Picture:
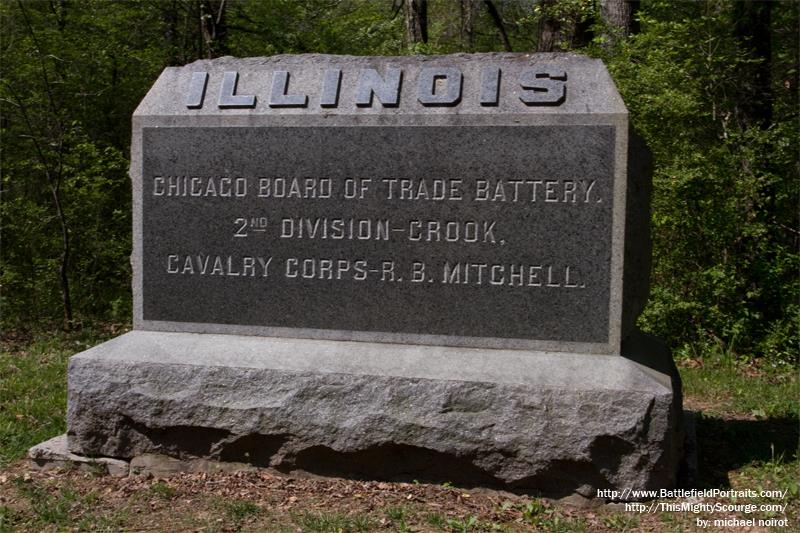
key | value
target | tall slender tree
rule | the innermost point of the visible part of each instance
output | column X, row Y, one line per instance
column 467, row 24
column 416, row 17
column 213, row 27
column 752, row 29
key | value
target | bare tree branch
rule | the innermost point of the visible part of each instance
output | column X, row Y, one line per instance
column 499, row 23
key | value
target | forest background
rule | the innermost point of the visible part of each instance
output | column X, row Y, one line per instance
column 711, row 85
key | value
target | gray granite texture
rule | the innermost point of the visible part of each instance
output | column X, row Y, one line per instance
column 638, row 244
column 467, row 289
column 53, row 454
column 566, row 271
column 551, row 423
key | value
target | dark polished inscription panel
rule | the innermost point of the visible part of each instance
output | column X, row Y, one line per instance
column 472, row 231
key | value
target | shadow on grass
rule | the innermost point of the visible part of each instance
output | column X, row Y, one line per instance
column 724, row 445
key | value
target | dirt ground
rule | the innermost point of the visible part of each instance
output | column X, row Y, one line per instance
column 72, row 500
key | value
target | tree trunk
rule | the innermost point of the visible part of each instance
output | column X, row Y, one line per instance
column 549, row 29
column 170, row 16
column 63, row 271
column 618, row 18
column 60, row 12
column 583, row 34
column 416, row 15
column 213, row 27
column 753, row 20
column 468, row 25
column 498, row 21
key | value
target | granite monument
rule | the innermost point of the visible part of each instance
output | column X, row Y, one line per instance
column 419, row 267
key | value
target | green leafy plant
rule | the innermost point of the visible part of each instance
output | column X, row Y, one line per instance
column 465, row 525
column 324, row 522
column 161, row 490
column 239, row 510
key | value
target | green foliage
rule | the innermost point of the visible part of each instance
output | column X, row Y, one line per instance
column 725, row 191
column 98, row 212
column 399, row 515
column 436, row 520
column 726, row 186
column 70, row 80
column 463, row 525
column 532, row 511
column 354, row 27
column 569, row 17
column 6, row 519
column 776, row 473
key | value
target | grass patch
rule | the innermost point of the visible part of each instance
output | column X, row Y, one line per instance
column 775, row 474
column 725, row 389
column 161, row 490
column 746, row 423
column 49, row 508
column 399, row 515
column 7, row 519
column 544, row 517
column 621, row 522
column 115, row 521
column 33, row 386
column 238, row 511
column 60, row 506
column 324, row 522
column 463, row 525
column 436, row 520
column 473, row 524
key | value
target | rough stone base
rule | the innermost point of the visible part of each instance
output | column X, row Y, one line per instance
column 548, row 423
column 53, row 454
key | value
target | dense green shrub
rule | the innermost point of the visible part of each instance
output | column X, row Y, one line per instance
column 726, row 190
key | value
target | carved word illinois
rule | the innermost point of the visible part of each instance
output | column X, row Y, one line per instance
column 436, row 87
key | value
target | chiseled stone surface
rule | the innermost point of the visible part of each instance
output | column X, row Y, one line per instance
column 54, row 453
column 241, row 354
column 565, row 247
column 557, row 260
column 531, row 421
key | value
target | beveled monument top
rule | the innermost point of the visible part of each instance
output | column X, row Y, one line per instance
column 312, row 84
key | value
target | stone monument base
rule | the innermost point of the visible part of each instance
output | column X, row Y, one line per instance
column 547, row 423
